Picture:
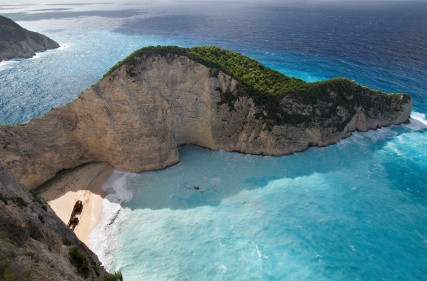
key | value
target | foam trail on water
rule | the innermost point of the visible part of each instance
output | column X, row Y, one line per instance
column 102, row 237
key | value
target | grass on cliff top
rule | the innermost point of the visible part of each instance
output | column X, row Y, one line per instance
column 249, row 72
column 244, row 69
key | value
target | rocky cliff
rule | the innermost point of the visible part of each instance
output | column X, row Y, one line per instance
column 158, row 99
column 17, row 42
column 35, row 244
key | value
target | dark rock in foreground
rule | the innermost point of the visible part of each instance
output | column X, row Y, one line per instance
column 35, row 244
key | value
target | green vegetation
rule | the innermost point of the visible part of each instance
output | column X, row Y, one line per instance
column 79, row 261
column 273, row 92
column 34, row 232
column 5, row 273
column 114, row 277
column 11, row 232
column 4, row 237
column 18, row 201
column 9, row 274
column 96, row 270
column 251, row 73
column 66, row 242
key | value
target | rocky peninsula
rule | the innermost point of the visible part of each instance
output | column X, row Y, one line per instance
column 158, row 98
column 17, row 42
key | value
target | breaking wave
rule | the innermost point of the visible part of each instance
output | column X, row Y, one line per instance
column 102, row 237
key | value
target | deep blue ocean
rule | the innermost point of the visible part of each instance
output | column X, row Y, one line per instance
column 356, row 210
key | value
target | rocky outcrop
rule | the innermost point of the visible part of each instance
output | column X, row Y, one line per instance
column 35, row 244
column 17, row 42
column 137, row 116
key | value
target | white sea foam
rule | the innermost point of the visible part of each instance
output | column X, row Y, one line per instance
column 258, row 251
column 50, row 51
column 418, row 122
column 260, row 255
column 102, row 238
column 7, row 64
column 116, row 187
column 11, row 63
column 371, row 136
column 380, row 134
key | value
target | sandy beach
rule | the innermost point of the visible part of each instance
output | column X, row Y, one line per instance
column 83, row 183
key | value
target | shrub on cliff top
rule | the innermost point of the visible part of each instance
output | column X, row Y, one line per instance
column 244, row 69
column 249, row 72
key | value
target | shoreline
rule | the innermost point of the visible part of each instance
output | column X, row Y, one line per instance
column 85, row 183
column 82, row 183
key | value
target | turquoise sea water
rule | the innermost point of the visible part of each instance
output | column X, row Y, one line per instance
column 351, row 211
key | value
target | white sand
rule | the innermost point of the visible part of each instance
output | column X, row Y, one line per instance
column 83, row 183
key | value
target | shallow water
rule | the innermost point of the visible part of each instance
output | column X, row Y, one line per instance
column 352, row 211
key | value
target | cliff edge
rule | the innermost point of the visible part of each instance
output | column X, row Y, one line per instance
column 35, row 244
column 17, row 42
column 162, row 97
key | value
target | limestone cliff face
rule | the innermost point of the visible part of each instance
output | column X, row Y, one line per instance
column 17, row 42
column 135, row 120
column 35, row 243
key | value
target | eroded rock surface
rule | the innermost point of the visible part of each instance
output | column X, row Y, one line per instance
column 135, row 120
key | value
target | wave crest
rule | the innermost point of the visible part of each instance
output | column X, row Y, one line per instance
column 102, row 239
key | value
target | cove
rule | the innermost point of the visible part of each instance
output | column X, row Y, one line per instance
column 352, row 210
